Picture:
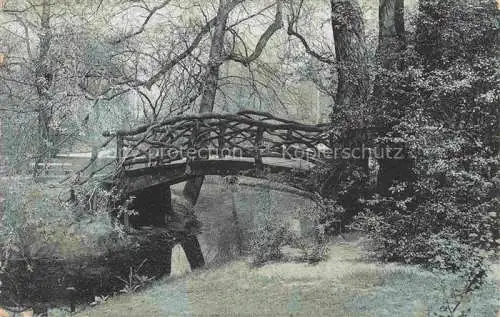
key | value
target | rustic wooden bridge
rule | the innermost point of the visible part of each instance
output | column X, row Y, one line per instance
column 152, row 157
column 247, row 143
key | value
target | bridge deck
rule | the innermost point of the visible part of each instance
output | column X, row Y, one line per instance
column 139, row 178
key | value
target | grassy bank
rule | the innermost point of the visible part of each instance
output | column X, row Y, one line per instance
column 344, row 285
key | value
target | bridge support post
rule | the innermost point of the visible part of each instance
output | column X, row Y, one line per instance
column 151, row 205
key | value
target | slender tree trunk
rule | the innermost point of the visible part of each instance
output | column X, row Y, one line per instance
column 215, row 60
column 350, row 50
column 192, row 188
column 392, row 42
column 43, row 79
column 391, row 33
column 42, row 75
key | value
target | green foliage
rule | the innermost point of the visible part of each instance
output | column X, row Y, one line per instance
column 326, row 217
column 443, row 106
column 38, row 223
column 134, row 281
column 450, row 68
column 326, row 214
column 273, row 232
column 449, row 30
column 453, row 195
column 92, row 199
column 268, row 238
column 468, row 270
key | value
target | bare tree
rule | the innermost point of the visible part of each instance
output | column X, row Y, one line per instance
column 56, row 72
column 210, row 56
column 36, row 78
column 217, row 56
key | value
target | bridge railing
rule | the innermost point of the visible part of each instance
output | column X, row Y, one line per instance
column 247, row 134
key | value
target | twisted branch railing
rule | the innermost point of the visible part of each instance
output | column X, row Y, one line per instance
column 247, row 134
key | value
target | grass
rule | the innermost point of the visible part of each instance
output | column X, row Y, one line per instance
column 344, row 285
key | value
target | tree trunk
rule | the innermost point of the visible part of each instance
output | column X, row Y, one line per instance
column 193, row 251
column 352, row 64
column 215, row 60
column 43, row 81
column 350, row 50
column 192, row 188
column 391, row 32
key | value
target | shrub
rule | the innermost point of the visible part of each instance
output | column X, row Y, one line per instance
column 453, row 194
column 268, row 238
column 461, row 271
column 443, row 106
column 37, row 223
column 274, row 232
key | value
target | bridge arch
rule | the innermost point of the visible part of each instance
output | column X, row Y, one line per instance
column 267, row 145
column 137, row 179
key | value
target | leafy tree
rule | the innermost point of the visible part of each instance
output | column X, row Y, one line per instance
column 444, row 108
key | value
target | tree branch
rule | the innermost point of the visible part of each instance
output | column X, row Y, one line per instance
column 291, row 30
column 261, row 44
column 143, row 26
column 167, row 67
column 194, row 44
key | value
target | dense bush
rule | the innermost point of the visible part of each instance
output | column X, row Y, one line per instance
column 454, row 194
column 38, row 222
column 268, row 238
column 444, row 108
column 465, row 272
